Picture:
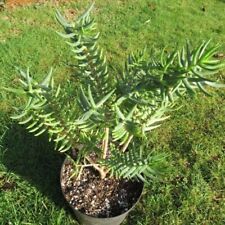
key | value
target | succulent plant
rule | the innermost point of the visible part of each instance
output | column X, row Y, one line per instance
column 112, row 116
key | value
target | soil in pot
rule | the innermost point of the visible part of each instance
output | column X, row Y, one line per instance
column 97, row 197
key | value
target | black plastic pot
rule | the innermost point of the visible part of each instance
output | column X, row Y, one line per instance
column 90, row 220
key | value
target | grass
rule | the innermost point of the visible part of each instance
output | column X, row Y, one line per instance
column 194, row 192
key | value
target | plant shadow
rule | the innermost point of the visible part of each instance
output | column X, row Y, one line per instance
column 182, row 148
column 35, row 160
column 133, row 217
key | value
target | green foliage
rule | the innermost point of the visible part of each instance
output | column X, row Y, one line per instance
column 93, row 115
column 90, row 66
column 137, row 163
column 129, row 107
column 40, row 112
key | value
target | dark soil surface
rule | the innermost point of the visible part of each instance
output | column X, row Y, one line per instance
column 96, row 197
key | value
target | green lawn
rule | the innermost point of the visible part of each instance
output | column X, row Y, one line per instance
column 194, row 192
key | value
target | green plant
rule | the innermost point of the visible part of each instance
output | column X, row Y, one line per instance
column 108, row 119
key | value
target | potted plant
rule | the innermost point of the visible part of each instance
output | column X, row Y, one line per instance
column 103, row 126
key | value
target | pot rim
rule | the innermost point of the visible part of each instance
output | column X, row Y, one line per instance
column 102, row 218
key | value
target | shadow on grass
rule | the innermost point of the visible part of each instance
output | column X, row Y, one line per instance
column 34, row 159
column 134, row 217
column 182, row 147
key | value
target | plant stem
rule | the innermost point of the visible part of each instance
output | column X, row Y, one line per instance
column 89, row 165
column 106, row 143
column 80, row 172
column 101, row 170
column 127, row 143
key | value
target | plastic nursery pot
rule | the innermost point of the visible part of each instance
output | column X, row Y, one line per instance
column 90, row 220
